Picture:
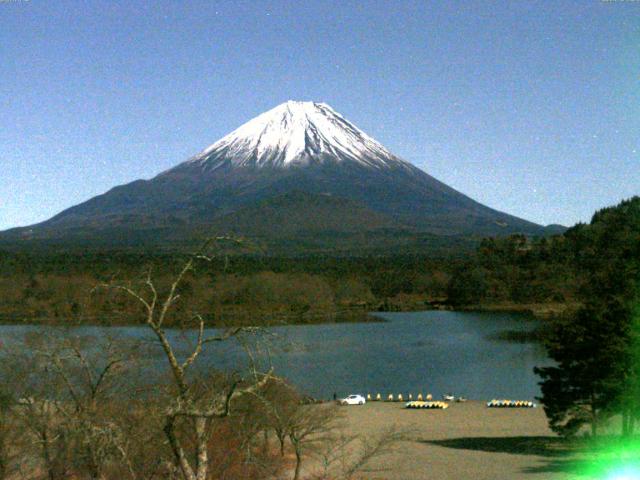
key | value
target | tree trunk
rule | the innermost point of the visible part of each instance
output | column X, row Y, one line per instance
column 180, row 458
column 3, row 466
column 265, row 442
column 92, row 466
column 4, row 455
column 203, row 454
column 628, row 422
column 594, row 417
column 51, row 473
column 625, row 422
column 296, row 474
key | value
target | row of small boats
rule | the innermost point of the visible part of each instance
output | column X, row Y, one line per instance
column 400, row 398
column 492, row 404
column 428, row 402
column 510, row 404
column 431, row 405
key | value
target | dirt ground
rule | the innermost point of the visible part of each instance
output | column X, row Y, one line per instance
column 465, row 441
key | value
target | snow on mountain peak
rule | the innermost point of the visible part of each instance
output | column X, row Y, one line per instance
column 297, row 133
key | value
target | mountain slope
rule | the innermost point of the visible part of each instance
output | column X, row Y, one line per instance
column 299, row 147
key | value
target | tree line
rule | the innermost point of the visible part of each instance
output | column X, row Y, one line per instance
column 514, row 272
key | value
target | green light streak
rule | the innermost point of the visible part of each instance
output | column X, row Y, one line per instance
column 617, row 459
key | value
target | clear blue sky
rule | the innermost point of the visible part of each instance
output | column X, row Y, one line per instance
column 530, row 107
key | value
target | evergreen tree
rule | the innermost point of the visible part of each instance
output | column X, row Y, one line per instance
column 597, row 350
column 589, row 349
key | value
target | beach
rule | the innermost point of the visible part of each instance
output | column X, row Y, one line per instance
column 465, row 441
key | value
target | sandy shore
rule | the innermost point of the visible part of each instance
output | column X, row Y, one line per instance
column 466, row 441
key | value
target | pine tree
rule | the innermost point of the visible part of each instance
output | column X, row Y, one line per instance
column 597, row 350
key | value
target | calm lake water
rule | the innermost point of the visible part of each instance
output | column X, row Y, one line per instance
column 435, row 351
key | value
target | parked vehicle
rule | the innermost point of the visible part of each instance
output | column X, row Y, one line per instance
column 353, row 400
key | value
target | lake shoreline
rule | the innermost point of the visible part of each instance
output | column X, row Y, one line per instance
column 540, row 311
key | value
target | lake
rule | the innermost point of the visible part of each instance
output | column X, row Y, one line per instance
column 435, row 351
column 418, row 352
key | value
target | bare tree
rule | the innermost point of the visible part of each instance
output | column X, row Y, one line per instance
column 68, row 386
column 44, row 434
column 189, row 410
column 281, row 404
column 240, row 449
column 315, row 431
column 7, row 434
column 310, row 427
column 344, row 456
column 48, row 436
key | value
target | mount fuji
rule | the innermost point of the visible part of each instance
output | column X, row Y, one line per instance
column 297, row 176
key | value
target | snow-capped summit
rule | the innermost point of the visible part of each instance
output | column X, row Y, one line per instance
column 297, row 133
